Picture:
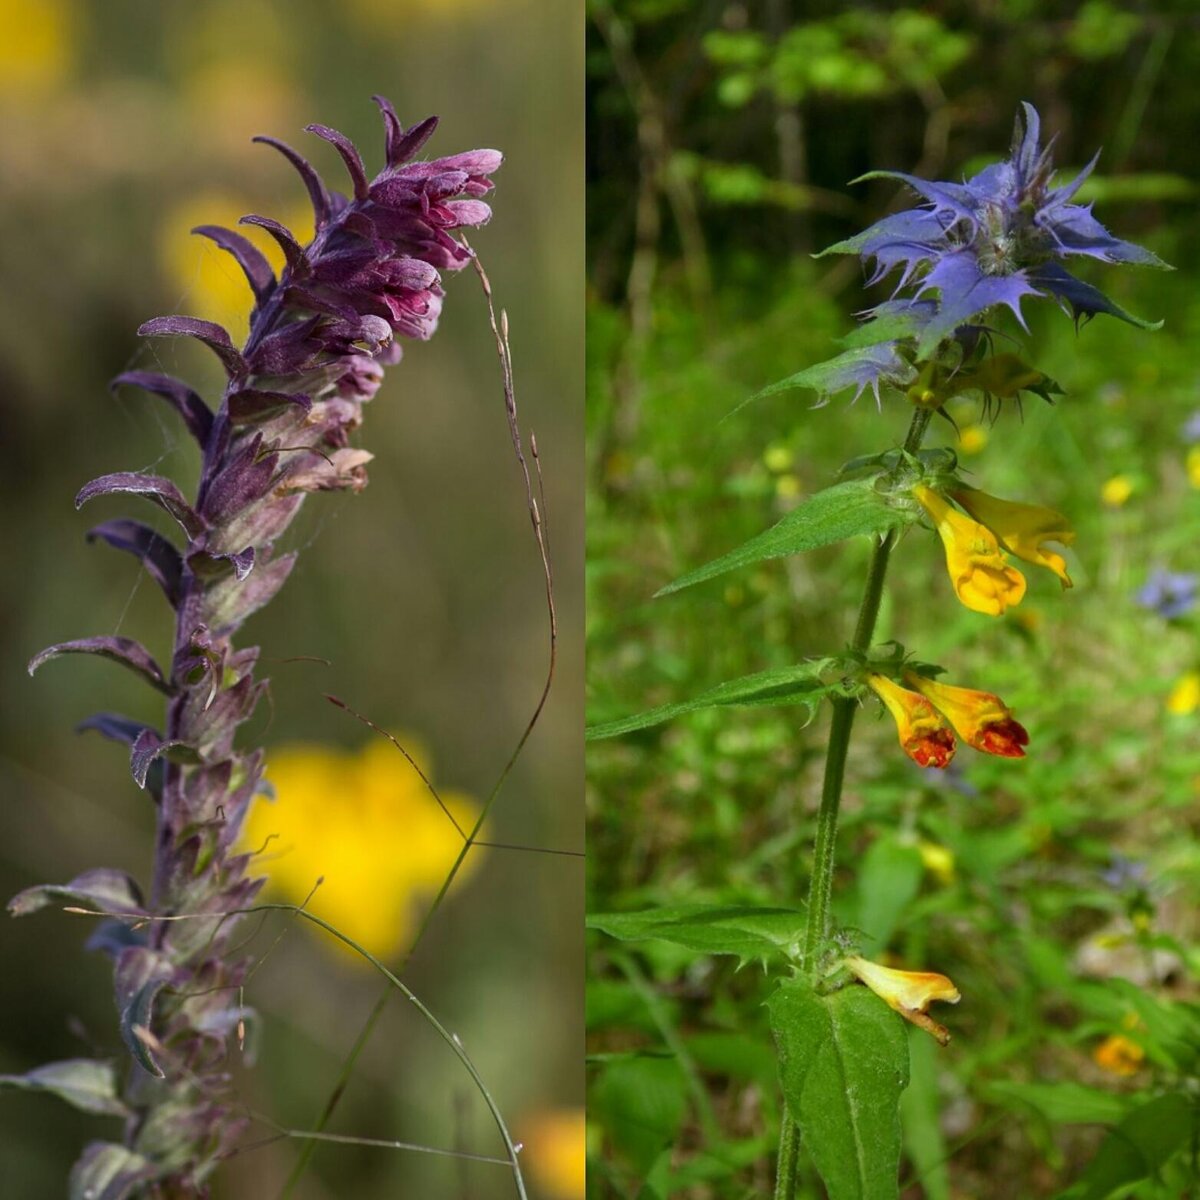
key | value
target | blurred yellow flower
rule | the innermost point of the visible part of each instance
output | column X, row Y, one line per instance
column 1184, row 697
column 938, row 861
column 778, row 458
column 972, row 439
column 210, row 284
column 910, row 993
column 1193, row 466
column 787, row 487
column 1118, row 1055
column 37, row 48
column 369, row 826
column 1116, row 491
column 555, row 1152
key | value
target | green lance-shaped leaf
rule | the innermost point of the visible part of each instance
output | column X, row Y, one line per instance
column 864, row 365
column 799, row 684
column 84, row 1083
column 845, row 510
column 1140, row 1146
column 843, row 1062
column 750, row 933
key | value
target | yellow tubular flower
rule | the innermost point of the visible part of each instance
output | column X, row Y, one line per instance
column 924, row 736
column 982, row 578
column 1022, row 528
column 910, row 993
column 981, row 719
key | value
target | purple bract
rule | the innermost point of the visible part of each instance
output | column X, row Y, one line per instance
column 320, row 336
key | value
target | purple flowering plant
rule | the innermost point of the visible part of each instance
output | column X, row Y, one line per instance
column 320, row 338
column 964, row 256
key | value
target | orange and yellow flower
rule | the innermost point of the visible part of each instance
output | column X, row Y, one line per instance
column 1118, row 1055
column 1023, row 529
column 909, row 993
column 924, row 735
column 981, row 575
column 981, row 719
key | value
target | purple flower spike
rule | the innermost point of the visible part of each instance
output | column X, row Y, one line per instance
column 320, row 337
column 1169, row 593
column 993, row 240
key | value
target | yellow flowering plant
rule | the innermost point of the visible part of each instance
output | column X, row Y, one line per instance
column 969, row 252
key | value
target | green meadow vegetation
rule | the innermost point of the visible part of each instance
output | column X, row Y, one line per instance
column 1059, row 891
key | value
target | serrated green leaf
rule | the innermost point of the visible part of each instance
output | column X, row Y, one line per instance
column 843, row 1062
column 750, row 933
column 800, row 684
column 856, row 368
column 887, row 328
column 84, row 1083
column 1140, row 1145
column 846, row 510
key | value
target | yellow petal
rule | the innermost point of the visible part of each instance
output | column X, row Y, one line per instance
column 910, row 993
column 1118, row 1055
column 1184, row 697
column 1116, row 491
column 981, row 576
column 1022, row 528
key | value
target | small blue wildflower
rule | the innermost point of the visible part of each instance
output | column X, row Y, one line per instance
column 1169, row 593
column 1191, row 428
column 988, row 242
column 1124, row 873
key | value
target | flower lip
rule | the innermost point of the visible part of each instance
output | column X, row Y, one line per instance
column 1023, row 529
column 981, row 719
column 909, row 993
column 982, row 578
column 924, row 735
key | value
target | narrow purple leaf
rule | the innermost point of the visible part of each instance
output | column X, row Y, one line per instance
column 148, row 748
column 410, row 144
column 317, row 192
column 250, row 405
column 208, row 332
column 160, row 559
column 197, row 416
column 141, row 973
column 101, row 889
column 292, row 250
column 350, row 156
column 245, row 478
column 113, row 726
column 122, row 650
column 249, row 257
column 211, row 565
column 393, row 130
column 151, row 487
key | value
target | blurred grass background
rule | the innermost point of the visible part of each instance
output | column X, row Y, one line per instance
column 122, row 125
column 720, row 141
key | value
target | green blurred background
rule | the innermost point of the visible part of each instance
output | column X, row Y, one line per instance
column 121, row 125
column 720, row 141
